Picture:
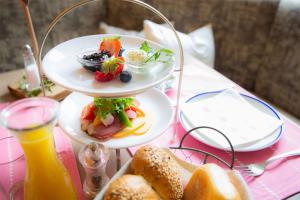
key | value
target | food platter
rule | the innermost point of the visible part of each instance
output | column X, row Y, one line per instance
column 259, row 104
column 61, row 66
column 150, row 101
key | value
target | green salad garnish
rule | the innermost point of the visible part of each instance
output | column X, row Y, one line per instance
column 114, row 106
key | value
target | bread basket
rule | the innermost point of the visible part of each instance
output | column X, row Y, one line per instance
column 187, row 168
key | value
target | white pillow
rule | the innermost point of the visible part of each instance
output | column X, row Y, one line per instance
column 199, row 43
column 105, row 28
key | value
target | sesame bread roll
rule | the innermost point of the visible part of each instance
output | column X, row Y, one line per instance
column 130, row 187
column 160, row 170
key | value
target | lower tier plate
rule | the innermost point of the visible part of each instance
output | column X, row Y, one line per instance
column 151, row 101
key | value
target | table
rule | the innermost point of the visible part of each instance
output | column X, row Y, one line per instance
column 208, row 81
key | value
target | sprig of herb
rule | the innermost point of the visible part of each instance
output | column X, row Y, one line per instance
column 48, row 84
column 145, row 47
column 35, row 92
column 23, row 83
column 155, row 54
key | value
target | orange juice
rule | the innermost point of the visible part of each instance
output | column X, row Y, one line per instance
column 46, row 177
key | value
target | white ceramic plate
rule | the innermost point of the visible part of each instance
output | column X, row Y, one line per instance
column 61, row 66
column 151, row 101
column 259, row 104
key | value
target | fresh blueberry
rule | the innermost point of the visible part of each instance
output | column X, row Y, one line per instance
column 125, row 76
column 121, row 51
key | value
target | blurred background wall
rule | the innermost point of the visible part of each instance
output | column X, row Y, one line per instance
column 257, row 41
column 14, row 33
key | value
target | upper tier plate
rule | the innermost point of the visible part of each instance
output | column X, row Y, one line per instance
column 61, row 66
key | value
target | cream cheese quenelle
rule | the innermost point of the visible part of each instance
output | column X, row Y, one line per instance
column 135, row 57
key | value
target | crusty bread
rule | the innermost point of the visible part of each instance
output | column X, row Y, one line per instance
column 160, row 170
column 210, row 182
column 130, row 187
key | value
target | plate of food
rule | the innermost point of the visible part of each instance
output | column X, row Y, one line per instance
column 108, row 65
column 255, row 102
column 157, row 173
column 116, row 122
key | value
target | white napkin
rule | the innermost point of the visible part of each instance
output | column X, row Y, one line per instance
column 230, row 113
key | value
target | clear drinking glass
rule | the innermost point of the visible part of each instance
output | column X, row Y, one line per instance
column 31, row 121
column 11, row 155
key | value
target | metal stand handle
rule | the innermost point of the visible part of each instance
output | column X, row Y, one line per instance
column 207, row 154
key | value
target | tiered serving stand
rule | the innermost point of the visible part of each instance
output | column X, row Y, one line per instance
column 60, row 66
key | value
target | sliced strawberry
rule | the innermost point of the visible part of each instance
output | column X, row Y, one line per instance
column 110, row 69
column 88, row 112
column 112, row 45
column 102, row 77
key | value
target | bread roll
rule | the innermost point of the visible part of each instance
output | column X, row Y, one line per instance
column 210, row 182
column 160, row 170
column 130, row 187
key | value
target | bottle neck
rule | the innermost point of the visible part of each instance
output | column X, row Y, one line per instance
column 38, row 145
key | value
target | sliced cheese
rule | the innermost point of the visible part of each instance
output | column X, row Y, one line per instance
column 148, row 123
column 136, row 124
column 210, row 182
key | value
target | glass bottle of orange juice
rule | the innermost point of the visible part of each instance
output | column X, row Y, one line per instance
column 31, row 121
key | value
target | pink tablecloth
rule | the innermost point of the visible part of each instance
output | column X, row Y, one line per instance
column 280, row 180
column 282, row 177
column 14, row 172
